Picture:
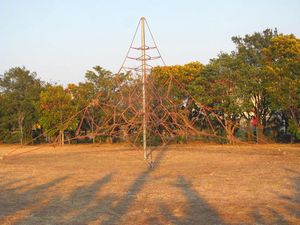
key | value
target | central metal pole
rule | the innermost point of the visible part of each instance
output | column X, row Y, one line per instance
column 144, row 76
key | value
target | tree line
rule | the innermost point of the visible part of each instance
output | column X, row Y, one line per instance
column 255, row 89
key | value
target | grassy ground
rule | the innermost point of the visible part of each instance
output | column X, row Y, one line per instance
column 190, row 184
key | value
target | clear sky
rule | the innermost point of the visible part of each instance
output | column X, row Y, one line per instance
column 61, row 39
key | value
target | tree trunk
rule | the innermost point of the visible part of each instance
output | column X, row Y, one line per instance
column 61, row 132
column 62, row 137
column 21, row 118
column 21, row 132
column 259, row 133
column 229, row 131
column 93, row 132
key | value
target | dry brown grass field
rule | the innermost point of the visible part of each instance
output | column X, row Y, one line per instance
column 189, row 184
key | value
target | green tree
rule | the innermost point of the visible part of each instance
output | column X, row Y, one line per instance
column 101, row 87
column 174, row 82
column 283, row 61
column 219, row 87
column 255, row 73
column 19, row 90
column 57, row 111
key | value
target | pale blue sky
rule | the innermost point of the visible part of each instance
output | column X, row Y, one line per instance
column 61, row 39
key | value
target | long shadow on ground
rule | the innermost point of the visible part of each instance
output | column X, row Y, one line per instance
column 196, row 211
column 289, row 210
column 82, row 202
column 12, row 200
column 127, row 200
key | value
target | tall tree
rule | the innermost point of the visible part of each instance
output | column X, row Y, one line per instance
column 57, row 111
column 255, row 72
column 100, row 87
column 283, row 60
column 20, row 90
column 219, row 86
